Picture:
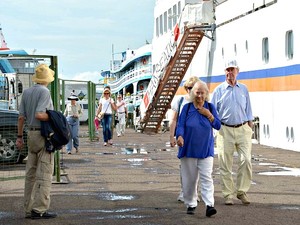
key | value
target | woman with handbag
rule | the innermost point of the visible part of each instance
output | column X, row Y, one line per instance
column 104, row 112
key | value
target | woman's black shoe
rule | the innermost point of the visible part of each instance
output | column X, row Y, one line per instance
column 45, row 215
column 210, row 211
column 191, row 210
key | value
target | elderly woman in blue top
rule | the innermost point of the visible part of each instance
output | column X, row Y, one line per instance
column 196, row 148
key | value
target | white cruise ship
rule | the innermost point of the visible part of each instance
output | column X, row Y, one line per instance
column 262, row 35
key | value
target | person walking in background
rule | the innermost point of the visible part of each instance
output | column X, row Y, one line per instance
column 232, row 102
column 176, row 109
column 121, row 114
column 105, row 109
column 40, row 164
column 130, row 117
column 196, row 148
column 73, row 111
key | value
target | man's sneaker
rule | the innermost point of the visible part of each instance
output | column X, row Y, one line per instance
column 228, row 201
column 243, row 197
column 104, row 143
column 45, row 215
column 191, row 210
column 28, row 215
column 77, row 150
column 210, row 210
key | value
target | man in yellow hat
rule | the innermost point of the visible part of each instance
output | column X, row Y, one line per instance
column 40, row 163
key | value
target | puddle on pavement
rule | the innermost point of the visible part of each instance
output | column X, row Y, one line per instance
column 289, row 207
column 162, row 150
column 282, row 171
column 137, row 161
column 108, row 196
column 131, row 151
column 103, row 211
column 4, row 215
column 274, row 169
column 119, row 217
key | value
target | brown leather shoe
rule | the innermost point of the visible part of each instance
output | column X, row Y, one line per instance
column 244, row 198
column 228, row 201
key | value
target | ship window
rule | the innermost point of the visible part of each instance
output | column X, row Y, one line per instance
column 165, row 22
column 246, row 46
column 157, row 27
column 235, row 50
column 170, row 19
column 265, row 50
column 179, row 7
column 160, row 25
column 174, row 15
column 292, row 134
column 289, row 45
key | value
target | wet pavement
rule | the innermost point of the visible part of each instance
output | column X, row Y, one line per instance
column 136, row 181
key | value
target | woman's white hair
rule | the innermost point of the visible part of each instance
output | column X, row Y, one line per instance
column 196, row 86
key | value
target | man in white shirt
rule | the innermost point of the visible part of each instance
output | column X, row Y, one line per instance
column 121, row 114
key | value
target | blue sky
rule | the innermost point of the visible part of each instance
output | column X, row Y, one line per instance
column 79, row 32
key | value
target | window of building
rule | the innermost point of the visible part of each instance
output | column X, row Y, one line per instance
column 179, row 8
column 235, row 50
column 174, row 15
column 165, row 22
column 289, row 44
column 160, row 25
column 246, row 46
column 157, row 27
column 170, row 19
column 265, row 50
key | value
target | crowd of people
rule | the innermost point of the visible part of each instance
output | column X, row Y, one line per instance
column 197, row 123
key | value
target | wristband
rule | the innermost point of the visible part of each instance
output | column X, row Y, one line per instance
column 20, row 136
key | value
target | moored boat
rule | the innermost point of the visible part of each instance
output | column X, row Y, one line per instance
column 262, row 36
column 130, row 74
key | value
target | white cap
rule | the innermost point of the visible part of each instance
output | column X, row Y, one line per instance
column 231, row 63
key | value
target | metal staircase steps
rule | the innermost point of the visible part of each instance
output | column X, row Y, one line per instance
column 172, row 78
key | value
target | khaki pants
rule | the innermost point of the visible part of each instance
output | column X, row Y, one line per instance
column 230, row 140
column 39, row 170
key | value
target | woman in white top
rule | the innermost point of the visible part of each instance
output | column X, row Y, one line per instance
column 106, row 107
column 73, row 111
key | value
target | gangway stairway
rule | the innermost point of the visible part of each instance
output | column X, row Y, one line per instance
column 172, row 78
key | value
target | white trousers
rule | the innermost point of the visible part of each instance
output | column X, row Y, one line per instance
column 120, row 127
column 193, row 169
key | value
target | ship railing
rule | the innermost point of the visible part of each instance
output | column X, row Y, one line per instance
column 129, row 77
column 136, row 98
column 200, row 15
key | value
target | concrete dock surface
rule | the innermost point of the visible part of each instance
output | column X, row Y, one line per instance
column 136, row 181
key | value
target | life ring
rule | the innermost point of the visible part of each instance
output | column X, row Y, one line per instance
column 176, row 32
column 144, row 61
